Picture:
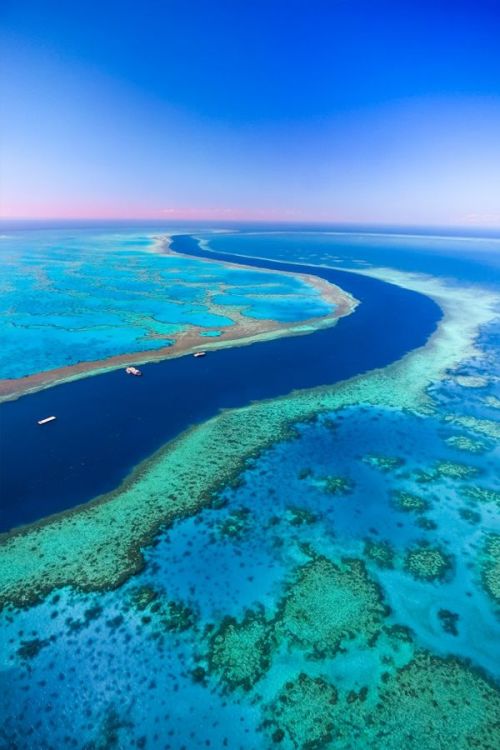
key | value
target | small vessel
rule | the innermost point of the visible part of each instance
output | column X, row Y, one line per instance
column 133, row 371
column 47, row 419
column 199, row 354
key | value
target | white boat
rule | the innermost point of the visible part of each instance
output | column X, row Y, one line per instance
column 133, row 371
column 47, row 419
column 199, row 354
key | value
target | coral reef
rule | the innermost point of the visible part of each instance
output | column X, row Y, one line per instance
column 236, row 524
column 491, row 566
column 427, row 524
column 471, row 381
column 110, row 730
column 409, row 502
column 432, row 703
column 302, row 712
column 332, row 485
column 481, row 494
column 423, row 477
column 305, row 473
column 240, row 652
column 176, row 616
column 437, row 703
column 181, row 298
column 30, row 649
column 454, row 470
column 383, row 463
column 143, row 596
column 324, row 666
column 485, row 427
column 466, row 444
column 492, row 402
column 445, row 470
column 301, row 516
column 469, row 515
column 427, row 563
column 449, row 621
column 328, row 604
column 165, row 613
column 380, row 552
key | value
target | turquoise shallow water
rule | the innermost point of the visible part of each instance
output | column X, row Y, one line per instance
column 159, row 663
column 69, row 297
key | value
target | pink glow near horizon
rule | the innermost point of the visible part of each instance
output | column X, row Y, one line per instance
column 87, row 211
column 44, row 211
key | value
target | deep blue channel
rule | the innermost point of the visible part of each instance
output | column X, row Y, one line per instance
column 106, row 424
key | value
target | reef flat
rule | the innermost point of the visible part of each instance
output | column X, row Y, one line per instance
column 136, row 301
column 99, row 545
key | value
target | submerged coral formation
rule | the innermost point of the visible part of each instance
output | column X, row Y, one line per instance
column 380, row 552
column 424, row 477
column 449, row 621
column 240, row 652
column 471, row 381
column 302, row 713
column 328, row 604
column 445, row 469
column 427, row 563
column 167, row 614
column 437, row 703
column 409, row 502
column 29, row 649
column 384, row 463
column 236, row 524
column 481, row 494
column 466, row 444
column 469, row 515
column 491, row 566
column 486, row 427
column 332, row 485
column 300, row 516
column 454, row 470
column 431, row 702
column 427, row 524
column 492, row 401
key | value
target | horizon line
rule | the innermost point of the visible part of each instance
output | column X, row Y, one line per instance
column 470, row 227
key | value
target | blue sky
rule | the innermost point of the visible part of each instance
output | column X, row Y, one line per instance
column 348, row 110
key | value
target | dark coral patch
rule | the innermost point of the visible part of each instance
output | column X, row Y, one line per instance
column 302, row 712
column 240, row 652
